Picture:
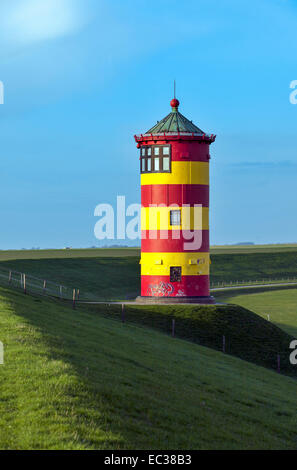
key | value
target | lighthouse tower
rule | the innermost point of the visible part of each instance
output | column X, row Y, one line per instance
column 174, row 166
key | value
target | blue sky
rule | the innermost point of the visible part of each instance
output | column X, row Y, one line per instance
column 83, row 76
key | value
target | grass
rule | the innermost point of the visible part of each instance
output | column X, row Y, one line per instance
column 237, row 249
column 247, row 335
column 78, row 380
column 97, row 278
column 280, row 305
column 115, row 273
column 253, row 266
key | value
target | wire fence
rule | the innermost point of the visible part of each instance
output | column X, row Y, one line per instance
column 32, row 284
column 276, row 358
column 253, row 282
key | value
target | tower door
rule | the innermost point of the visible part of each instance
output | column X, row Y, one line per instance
column 175, row 274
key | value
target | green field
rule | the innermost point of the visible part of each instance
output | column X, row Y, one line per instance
column 81, row 380
column 114, row 274
column 237, row 249
column 280, row 305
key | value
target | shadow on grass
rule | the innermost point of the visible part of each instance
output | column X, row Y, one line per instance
column 122, row 399
column 241, row 332
column 115, row 396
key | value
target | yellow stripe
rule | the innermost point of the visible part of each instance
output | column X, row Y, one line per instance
column 181, row 173
column 158, row 218
column 158, row 264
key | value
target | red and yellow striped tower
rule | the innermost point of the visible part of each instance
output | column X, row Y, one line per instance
column 174, row 165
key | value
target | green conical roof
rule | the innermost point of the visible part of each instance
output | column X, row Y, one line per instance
column 175, row 122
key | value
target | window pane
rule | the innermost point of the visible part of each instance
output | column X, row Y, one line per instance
column 156, row 150
column 165, row 150
column 149, row 164
column 166, row 165
column 143, row 151
column 157, row 164
column 143, row 164
column 149, row 151
column 175, row 217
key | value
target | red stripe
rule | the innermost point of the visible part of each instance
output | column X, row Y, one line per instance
column 175, row 194
column 190, row 151
column 160, row 286
column 162, row 241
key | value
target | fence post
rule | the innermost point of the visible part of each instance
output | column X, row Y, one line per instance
column 123, row 313
column 224, row 344
column 73, row 299
column 173, row 327
column 9, row 277
column 44, row 287
column 77, row 294
column 24, row 283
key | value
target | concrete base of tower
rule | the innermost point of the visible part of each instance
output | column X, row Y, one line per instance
column 175, row 300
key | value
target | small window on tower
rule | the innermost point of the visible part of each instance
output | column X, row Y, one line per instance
column 149, row 164
column 166, row 164
column 143, row 165
column 149, row 151
column 143, row 151
column 175, row 273
column 156, row 150
column 157, row 164
column 175, row 217
column 165, row 150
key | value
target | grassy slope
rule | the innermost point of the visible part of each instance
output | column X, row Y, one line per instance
column 73, row 380
column 281, row 305
column 247, row 335
column 114, row 273
column 98, row 278
column 253, row 266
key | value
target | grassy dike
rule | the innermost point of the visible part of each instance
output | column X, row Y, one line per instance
column 247, row 335
column 114, row 274
column 79, row 380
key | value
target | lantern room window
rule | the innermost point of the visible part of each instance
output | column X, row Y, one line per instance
column 155, row 159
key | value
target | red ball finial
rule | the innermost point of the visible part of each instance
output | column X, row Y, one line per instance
column 174, row 103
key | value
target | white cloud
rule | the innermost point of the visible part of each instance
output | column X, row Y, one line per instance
column 28, row 21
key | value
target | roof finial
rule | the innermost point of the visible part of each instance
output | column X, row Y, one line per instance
column 174, row 103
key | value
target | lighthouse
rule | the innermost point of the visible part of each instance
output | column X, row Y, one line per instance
column 174, row 166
